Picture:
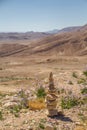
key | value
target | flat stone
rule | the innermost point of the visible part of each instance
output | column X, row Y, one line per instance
column 10, row 104
column 49, row 127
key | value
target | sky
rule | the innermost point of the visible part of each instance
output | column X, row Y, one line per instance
column 41, row 15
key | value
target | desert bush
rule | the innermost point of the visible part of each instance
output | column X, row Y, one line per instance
column 84, row 90
column 85, row 73
column 84, row 100
column 1, row 115
column 15, row 110
column 2, row 95
column 24, row 97
column 81, row 81
column 70, row 82
column 41, row 126
column 74, row 75
column 69, row 102
column 41, row 92
column 37, row 104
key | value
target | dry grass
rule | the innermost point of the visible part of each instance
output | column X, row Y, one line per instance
column 37, row 104
column 79, row 128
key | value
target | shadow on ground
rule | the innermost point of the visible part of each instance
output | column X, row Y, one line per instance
column 62, row 117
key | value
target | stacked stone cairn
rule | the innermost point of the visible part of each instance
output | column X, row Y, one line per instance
column 51, row 98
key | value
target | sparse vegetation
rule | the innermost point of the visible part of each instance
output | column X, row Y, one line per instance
column 15, row 110
column 82, row 81
column 6, row 79
column 82, row 116
column 70, row 82
column 2, row 95
column 41, row 126
column 69, row 102
column 41, row 92
column 84, row 90
column 74, row 75
column 1, row 115
column 85, row 73
column 37, row 104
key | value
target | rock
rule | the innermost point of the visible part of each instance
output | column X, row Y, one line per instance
column 10, row 104
column 49, row 127
column 15, row 99
column 30, row 128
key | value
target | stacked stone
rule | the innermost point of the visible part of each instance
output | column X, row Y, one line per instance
column 51, row 98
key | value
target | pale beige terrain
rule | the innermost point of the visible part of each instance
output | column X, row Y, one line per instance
column 24, row 72
column 27, row 73
column 26, row 65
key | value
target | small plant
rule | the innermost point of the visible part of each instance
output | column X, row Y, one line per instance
column 2, row 95
column 85, row 73
column 15, row 110
column 82, row 117
column 70, row 82
column 82, row 81
column 55, row 128
column 1, row 116
column 68, row 102
column 37, row 104
column 84, row 90
column 41, row 92
column 41, row 126
column 74, row 75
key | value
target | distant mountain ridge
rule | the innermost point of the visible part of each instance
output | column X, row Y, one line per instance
column 34, row 35
column 67, row 29
column 72, row 43
column 22, row 36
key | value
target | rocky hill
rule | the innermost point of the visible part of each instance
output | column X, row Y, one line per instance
column 22, row 36
column 65, row 44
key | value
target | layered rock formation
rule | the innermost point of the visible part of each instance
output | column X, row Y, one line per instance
column 51, row 98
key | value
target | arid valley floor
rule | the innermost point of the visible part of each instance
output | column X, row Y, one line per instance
column 29, row 73
column 25, row 66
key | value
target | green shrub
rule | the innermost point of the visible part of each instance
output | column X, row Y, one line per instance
column 82, row 81
column 41, row 126
column 85, row 73
column 84, row 100
column 41, row 92
column 84, row 90
column 1, row 116
column 15, row 110
column 74, row 75
column 68, row 102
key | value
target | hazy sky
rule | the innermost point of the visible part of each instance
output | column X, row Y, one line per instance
column 41, row 15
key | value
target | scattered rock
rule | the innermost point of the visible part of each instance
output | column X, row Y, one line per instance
column 10, row 104
column 49, row 127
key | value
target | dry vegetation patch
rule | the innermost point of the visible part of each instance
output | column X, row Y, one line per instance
column 37, row 104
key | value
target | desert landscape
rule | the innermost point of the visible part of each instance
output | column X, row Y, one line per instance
column 26, row 61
